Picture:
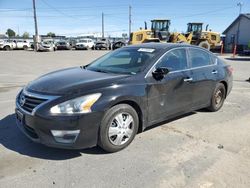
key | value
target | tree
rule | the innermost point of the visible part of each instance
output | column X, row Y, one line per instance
column 50, row 34
column 10, row 33
column 26, row 35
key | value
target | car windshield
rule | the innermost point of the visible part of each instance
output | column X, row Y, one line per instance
column 46, row 42
column 85, row 41
column 62, row 43
column 124, row 61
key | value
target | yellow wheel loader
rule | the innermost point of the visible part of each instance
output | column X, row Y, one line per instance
column 206, row 39
column 159, row 32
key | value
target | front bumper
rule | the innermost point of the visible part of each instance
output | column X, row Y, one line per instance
column 62, row 48
column 38, row 128
column 101, row 46
column 81, row 47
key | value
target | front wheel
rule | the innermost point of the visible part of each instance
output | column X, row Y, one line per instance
column 25, row 47
column 205, row 44
column 118, row 128
column 218, row 98
column 7, row 48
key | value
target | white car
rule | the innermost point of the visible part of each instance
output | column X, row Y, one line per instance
column 20, row 44
column 46, row 46
column 6, row 44
column 85, row 44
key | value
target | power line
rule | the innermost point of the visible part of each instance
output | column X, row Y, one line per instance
column 59, row 10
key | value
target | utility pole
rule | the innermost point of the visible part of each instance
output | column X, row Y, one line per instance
column 102, row 25
column 36, row 30
column 238, row 30
column 240, row 4
column 129, row 22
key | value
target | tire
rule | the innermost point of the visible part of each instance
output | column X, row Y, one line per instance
column 115, row 136
column 205, row 44
column 7, row 48
column 25, row 47
column 218, row 98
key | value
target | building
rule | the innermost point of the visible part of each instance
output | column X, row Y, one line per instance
column 240, row 25
column 3, row 36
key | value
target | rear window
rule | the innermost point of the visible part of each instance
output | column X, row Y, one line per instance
column 199, row 58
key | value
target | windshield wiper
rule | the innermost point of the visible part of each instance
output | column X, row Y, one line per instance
column 100, row 70
column 83, row 67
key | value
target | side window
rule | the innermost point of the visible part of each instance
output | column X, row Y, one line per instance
column 213, row 37
column 174, row 60
column 214, row 59
column 139, row 37
column 199, row 58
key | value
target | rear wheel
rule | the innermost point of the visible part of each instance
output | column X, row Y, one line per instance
column 7, row 48
column 25, row 47
column 218, row 98
column 205, row 44
column 118, row 128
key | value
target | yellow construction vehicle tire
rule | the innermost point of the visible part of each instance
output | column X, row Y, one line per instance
column 205, row 44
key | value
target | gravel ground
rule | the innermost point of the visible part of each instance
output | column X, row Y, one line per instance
column 200, row 149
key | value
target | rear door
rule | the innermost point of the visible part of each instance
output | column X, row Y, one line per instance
column 204, row 73
column 172, row 94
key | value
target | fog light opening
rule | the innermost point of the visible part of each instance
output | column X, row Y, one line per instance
column 65, row 136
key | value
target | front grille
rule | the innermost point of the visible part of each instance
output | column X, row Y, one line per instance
column 28, row 103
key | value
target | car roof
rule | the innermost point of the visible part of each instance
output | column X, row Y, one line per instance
column 157, row 45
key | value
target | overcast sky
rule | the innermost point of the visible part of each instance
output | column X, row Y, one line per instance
column 75, row 17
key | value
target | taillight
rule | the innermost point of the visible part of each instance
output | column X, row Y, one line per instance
column 230, row 69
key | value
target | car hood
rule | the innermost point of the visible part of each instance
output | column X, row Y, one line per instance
column 81, row 43
column 72, row 80
column 101, row 42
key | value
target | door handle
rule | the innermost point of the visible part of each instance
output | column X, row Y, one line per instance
column 214, row 72
column 188, row 79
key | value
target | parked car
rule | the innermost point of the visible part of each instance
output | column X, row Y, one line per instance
column 120, row 94
column 85, row 44
column 21, row 44
column 118, row 44
column 6, row 44
column 246, row 52
column 63, row 45
column 72, row 42
column 46, row 46
column 103, row 43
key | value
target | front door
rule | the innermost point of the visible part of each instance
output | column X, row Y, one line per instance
column 172, row 94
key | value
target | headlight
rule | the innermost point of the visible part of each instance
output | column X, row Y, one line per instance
column 77, row 105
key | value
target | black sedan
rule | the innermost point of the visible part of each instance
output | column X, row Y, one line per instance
column 120, row 94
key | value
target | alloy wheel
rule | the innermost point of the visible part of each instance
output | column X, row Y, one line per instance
column 121, row 129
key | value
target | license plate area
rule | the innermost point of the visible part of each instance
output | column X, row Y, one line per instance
column 19, row 116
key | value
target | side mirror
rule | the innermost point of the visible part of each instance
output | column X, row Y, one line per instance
column 160, row 72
